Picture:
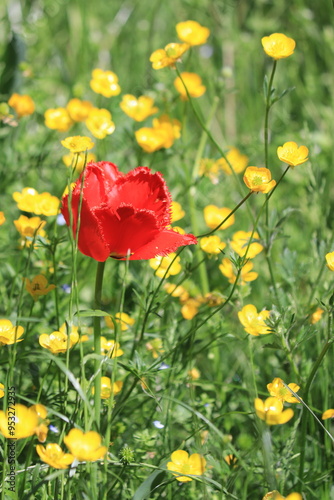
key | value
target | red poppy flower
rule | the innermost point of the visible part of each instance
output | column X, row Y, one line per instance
column 123, row 213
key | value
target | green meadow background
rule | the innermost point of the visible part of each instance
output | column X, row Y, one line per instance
column 48, row 50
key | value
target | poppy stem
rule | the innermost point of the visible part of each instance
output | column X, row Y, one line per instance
column 97, row 342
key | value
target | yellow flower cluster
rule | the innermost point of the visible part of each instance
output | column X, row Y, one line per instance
column 247, row 274
column 22, row 104
column 84, row 447
column 29, row 200
column 190, row 33
column 138, row 108
column 271, row 410
column 2, row 218
column 162, row 135
column 190, row 305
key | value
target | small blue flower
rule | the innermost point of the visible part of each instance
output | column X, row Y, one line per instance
column 158, row 424
column 60, row 220
column 163, row 366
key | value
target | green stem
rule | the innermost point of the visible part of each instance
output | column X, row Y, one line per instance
column 97, row 342
column 191, row 197
column 305, row 414
column 267, row 449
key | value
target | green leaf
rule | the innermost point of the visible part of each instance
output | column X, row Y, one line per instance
column 13, row 56
column 89, row 313
column 145, row 489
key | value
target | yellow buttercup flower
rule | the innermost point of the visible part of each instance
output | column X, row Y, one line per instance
column 226, row 268
column 258, row 179
column 328, row 414
column 194, row 85
column 213, row 216
column 275, row 495
column 271, row 411
column 316, row 316
column 30, row 227
column 238, row 161
column 192, row 32
column 79, row 110
column 74, row 333
column 161, row 264
column 182, row 463
column 253, row 321
column 291, row 154
column 2, row 390
column 54, row 456
column 23, row 104
column 162, row 135
column 29, row 200
column 85, row 447
column 58, row 119
column 110, row 349
column 194, row 374
column 212, row 244
column 155, row 346
column 58, row 342
column 105, row 83
column 150, row 139
column 99, row 123
column 47, row 204
column 177, row 211
column 106, row 387
column 78, row 160
column 170, row 126
column 122, row 319
column 190, row 308
column 176, row 291
column 138, row 108
column 168, row 56
column 330, row 261
column 240, row 242
column 278, row 46
column 2, row 218
column 38, row 286
column 26, row 200
column 278, row 390
column 78, row 143
column 9, row 334
column 26, row 422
